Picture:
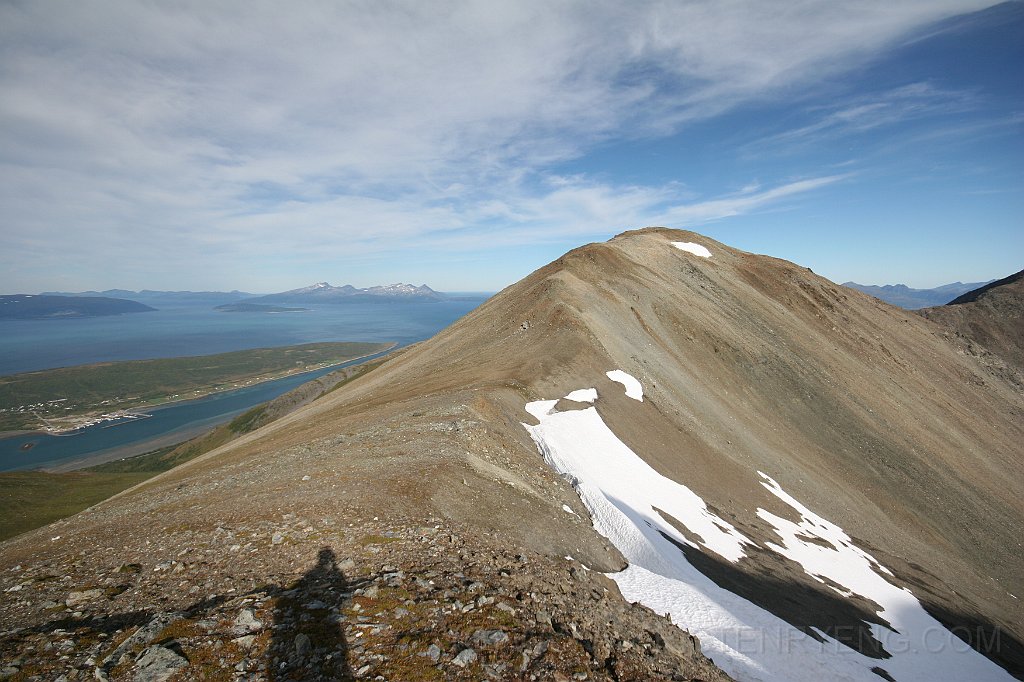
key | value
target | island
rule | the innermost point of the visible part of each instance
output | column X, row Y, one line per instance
column 257, row 308
column 44, row 307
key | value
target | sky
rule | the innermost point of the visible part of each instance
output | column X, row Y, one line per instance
column 264, row 146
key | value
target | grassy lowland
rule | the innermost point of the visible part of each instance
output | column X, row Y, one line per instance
column 62, row 398
column 30, row 499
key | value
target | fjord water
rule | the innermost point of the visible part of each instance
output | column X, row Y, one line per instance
column 28, row 345
column 165, row 425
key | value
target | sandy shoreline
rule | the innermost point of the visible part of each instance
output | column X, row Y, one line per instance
column 23, row 432
column 128, row 451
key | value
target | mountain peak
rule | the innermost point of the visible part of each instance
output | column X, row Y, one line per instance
column 323, row 292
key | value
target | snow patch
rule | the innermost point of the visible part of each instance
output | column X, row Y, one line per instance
column 631, row 504
column 541, row 408
column 621, row 490
column 583, row 395
column 695, row 249
column 921, row 648
column 633, row 388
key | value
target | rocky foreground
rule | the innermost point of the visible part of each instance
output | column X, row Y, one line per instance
column 312, row 597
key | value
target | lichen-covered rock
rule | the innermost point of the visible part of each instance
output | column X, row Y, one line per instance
column 158, row 663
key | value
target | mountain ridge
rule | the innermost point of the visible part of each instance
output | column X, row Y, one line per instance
column 322, row 292
column 907, row 297
column 749, row 366
column 992, row 317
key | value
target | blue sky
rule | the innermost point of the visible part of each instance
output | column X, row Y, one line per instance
column 260, row 146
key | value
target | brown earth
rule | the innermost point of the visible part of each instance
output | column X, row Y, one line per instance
column 991, row 316
column 866, row 413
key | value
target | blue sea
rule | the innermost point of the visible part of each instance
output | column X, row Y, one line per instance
column 27, row 345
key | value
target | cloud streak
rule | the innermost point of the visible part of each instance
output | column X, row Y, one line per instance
column 864, row 114
column 258, row 131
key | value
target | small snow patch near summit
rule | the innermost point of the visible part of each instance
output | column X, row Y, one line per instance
column 695, row 249
column 583, row 395
column 633, row 388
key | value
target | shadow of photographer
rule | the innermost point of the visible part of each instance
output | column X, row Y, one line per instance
column 308, row 639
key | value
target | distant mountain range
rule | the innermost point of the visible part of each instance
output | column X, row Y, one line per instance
column 164, row 298
column 903, row 296
column 29, row 307
column 991, row 316
column 322, row 292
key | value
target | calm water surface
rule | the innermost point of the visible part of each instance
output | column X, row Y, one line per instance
column 31, row 345
column 27, row 345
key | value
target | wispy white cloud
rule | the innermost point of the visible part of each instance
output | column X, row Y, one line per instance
column 864, row 113
column 743, row 202
column 256, row 130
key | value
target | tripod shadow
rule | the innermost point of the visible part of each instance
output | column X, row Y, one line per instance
column 308, row 639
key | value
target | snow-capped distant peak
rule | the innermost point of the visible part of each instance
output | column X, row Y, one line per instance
column 400, row 289
column 319, row 286
column 323, row 292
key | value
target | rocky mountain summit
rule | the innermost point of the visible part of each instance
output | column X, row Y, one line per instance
column 803, row 478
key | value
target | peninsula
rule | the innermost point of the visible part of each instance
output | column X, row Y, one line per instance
column 69, row 398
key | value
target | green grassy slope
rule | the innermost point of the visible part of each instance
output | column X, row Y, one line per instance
column 30, row 499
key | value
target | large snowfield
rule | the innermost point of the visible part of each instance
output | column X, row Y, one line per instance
column 632, row 505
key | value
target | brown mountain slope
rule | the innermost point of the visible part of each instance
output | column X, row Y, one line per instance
column 862, row 411
column 991, row 316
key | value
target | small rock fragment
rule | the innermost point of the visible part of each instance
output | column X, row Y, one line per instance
column 433, row 652
column 302, row 645
column 465, row 657
column 245, row 641
column 158, row 663
column 489, row 637
column 76, row 598
column 247, row 623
